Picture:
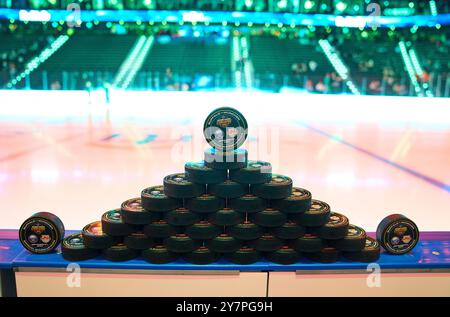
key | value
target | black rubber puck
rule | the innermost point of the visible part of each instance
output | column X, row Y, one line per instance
column 225, row 129
column 285, row 255
column 266, row 243
column 181, row 217
column 370, row 252
column 95, row 238
column 178, row 186
column 255, row 172
column 355, row 240
column 245, row 255
column 159, row 229
column 298, row 202
column 308, row 243
column 226, row 160
column 316, row 216
column 73, row 249
column 154, row 199
column 198, row 172
column 41, row 233
column 336, row 227
column 245, row 230
column 138, row 241
column 205, row 204
column 133, row 213
column 202, row 255
column 224, row 243
column 397, row 234
column 181, row 243
column 203, row 230
column 228, row 189
column 248, row 204
column 119, row 253
column 279, row 187
column 268, row 218
column 113, row 225
column 325, row 255
column 159, row 254
column 288, row 231
column 225, row 217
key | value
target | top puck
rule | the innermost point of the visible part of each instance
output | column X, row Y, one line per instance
column 397, row 234
column 154, row 199
column 225, row 129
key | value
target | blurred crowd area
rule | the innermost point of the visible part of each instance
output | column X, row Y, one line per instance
column 351, row 7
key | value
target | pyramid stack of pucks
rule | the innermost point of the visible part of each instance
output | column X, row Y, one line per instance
column 224, row 206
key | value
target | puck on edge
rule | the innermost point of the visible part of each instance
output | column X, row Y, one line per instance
column 223, row 243
column 316, row 216
column 154, row 199
column 279, row 187
column 228, row 189
column 95, row 238
column 73, row 249
column 133, row 213
column 268, row 218
column 113, row 225
column 178, row 186
column 225, row 217
column 248, row 204
column 397, row 234
column 182, row 217
column 245, row 230
column 355, row 240
column 203, row 230
column 159, row 254
column 41, row 233
column 336, row 227
column 370, row 252
column 285, row 255
column 205, row 204
column 298, row 202
column 245, row 255
column 181, row 243
column 288, row 231
column 198, row 172
column 255, row 172
column 119, row 253
column 202, row 255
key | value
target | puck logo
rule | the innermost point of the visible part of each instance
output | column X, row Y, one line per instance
column 133, row 205
column 354, row 232
column 38, row 229
column 224, row 122
column 33, row 238
column 400, row 231
column 114, row 216
column 95, row 229
column 45, row 238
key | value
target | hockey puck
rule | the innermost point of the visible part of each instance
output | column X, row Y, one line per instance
column 266, row 243
column 138, row 241
column 288, row 231
column 370, row 252
column 285, row 255
column 159, row 254
column 181, row 243
column 298, row 202
column 203, row 230
column 355, row 240
column 336, row 227
column 397, row 234
column 225, row 129
column 316, row 216
column 133, row 213
column 224, row 243
column 178, row 186
column 231, row 160
column 325, row 255
column 205, row 204
column 181, row 217
column 73, row 249
column 119, row 253
column 248, row 204
column 198, row 172
column 95, row 238
column 308, row 243
column 245, row 230
column 255, row 172
column 268, row 218
column 225, row 217
column 279, row 187
column 159, row 229
column 202, row 255
column 245, row 255
column 154, row 199
column 41, row 233
column 228, row 189
column 113, row 225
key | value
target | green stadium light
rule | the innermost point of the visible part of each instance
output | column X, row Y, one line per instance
column 308, row 5
column 341, row 6
column 411, row 5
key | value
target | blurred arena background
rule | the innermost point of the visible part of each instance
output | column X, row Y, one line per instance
column 101, row 98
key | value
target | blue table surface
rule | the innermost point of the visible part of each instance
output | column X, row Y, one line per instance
column 432, row 251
